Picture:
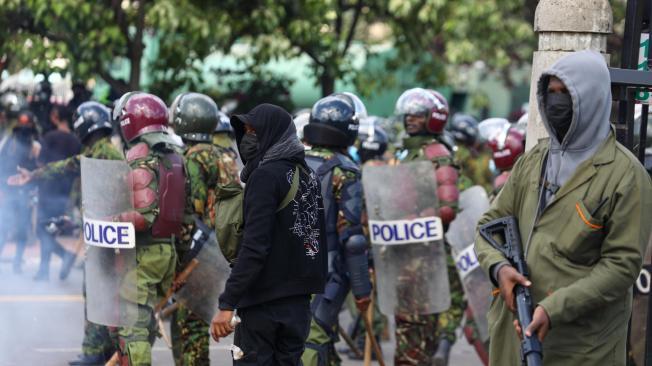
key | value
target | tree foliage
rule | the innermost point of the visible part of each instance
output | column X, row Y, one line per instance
column 426, row 35
column 95, row 35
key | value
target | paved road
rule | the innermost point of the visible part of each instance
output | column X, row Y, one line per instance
column 42, row 322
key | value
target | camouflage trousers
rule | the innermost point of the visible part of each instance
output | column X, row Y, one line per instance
column 153, row 276
column 189, row 338
column 416, row 339
column 98, row 339
column 417, row 336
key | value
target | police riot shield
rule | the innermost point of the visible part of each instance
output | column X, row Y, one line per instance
column 461, row 236
column 110, row 268
column 205, row 283
column 407, row 238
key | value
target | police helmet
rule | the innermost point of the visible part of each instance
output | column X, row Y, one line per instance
column 373, row 140
column 12, row 103
column 194, row 117
column 90, row 117
column 464, row 129
column 333, row 122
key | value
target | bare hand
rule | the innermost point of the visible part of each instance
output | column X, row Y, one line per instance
column 540, row 324
column 23, row 177
column 221, row 324
column 362, row 304
column 508, row 277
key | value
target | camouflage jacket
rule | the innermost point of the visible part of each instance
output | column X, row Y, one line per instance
column 101, row 149
column 208, row 167
column 349, row 222
column 474, row 166
column 414, row 150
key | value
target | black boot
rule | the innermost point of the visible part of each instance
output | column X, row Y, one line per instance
column 443, row 352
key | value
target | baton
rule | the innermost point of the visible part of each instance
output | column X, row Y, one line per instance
column 178, row 282
column 349, row 342
column 115, row 359
column 164, row 334
column 371, row 339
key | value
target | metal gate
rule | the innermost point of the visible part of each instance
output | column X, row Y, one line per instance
column 632, row 90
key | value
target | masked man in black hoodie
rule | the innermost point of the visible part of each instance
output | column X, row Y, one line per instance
column 281, row 261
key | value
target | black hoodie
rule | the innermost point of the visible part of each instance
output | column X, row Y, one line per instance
column 283, row 253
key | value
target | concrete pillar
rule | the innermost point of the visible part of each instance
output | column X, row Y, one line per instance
column 564, row 26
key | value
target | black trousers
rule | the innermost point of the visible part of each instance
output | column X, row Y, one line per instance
column 49, row 245
column 274, row 333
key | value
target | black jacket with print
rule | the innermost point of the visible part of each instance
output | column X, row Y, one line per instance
column 283, row 253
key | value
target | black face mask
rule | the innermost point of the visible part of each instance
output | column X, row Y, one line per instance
column 23, row 133
column 249, row 146
column 559, row 110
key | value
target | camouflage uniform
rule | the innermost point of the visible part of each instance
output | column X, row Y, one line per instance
column 417, row 336
column 156, row 258
column 102, row 149
column 318, row 335
column 208, row 167
column 98, row 339
column 474, row 166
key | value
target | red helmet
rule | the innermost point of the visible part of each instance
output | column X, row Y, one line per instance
column 508, row 148
column 439, row 116
column 429, row 103
column 139, row 113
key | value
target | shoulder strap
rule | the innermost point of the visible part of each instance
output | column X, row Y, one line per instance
column 294, row 188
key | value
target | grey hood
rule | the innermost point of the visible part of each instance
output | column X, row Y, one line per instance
column 587, row 79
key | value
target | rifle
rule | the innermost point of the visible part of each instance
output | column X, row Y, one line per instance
column 506, row 228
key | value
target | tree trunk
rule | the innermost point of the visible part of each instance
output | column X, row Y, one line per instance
column 327, row 84
column 136, row 51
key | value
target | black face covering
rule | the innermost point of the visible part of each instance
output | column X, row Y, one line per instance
column 249, row 147
column 559, row 110
column 23, row 133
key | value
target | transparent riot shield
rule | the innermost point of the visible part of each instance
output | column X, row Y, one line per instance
column 638, row 332
column 461, row 236
column 407, row 238
column 110, row 268
column 200, row 292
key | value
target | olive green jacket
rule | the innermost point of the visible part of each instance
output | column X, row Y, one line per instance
column 583, row 258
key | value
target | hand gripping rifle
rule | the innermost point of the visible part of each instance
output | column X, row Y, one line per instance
column 506, row 228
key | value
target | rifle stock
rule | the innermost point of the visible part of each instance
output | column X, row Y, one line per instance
column 506, row 228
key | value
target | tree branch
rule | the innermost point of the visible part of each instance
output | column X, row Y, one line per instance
column 121, row 20
column 354, row 24
column 116, row 84
column 310, row 54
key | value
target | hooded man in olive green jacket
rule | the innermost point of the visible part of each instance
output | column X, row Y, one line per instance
column 583, row 230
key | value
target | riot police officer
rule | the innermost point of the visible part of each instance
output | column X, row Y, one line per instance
column 92, row 126
column 41, row 105
column 372, row 140
column 211, row 169
column 424, row 114
column 158, row 211
column 507, row 148
column 333, row 127
column 470, row 153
